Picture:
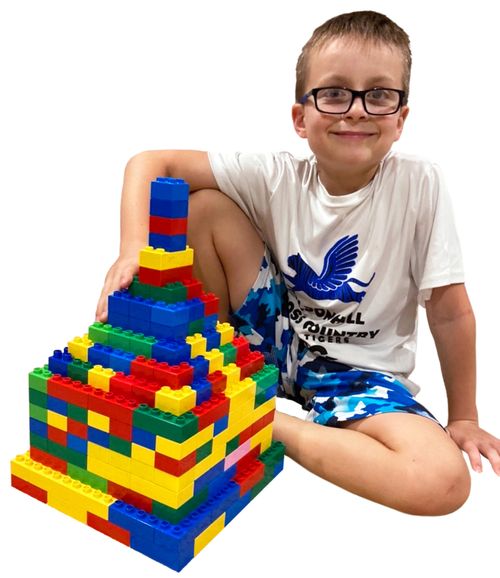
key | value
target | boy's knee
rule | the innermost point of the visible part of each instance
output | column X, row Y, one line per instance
column 439, row 492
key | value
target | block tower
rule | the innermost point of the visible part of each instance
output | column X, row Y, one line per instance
column 154, row 428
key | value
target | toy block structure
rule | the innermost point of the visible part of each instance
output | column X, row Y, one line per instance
column 154, row 428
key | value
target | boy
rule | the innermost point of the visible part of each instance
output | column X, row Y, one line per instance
column 353, row 239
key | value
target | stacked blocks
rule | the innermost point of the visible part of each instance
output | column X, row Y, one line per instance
column 154, row 428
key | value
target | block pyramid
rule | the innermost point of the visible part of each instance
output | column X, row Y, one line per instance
column 154, row 428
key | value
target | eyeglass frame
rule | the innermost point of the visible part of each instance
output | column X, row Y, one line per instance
column 354, row 95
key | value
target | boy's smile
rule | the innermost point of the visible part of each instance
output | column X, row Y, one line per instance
column 350, row 146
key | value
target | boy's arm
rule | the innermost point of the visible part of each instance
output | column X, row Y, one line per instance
column 453, row 327
column 192, row 166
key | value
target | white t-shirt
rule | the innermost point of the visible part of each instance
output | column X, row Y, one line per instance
column 357, row 265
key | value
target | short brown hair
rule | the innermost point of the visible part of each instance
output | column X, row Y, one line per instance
column 364, row 25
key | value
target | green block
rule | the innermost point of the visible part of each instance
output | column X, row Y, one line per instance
column 229, row 351
column 175, row 428
column 175, row 516
column 195, row 327
column 37, row 412
column 86, row 477
column 171, row 293
column 139, row 344
column 204, row 451
column 266, row 377
column 38, row 442
column 119, row 338
column 99, row 332
column 78, row 370
column 37, row 397
column 77, row 413
column 232, row 445
column 259, row 486
column 120, row 446
column 67, row 454
column 38, row 378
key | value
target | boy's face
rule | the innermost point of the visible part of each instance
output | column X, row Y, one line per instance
column 354, row 142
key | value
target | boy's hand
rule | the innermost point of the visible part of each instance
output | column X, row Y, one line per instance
column 475, row 442
column 118, row 277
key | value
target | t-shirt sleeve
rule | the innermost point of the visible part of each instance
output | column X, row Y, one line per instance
column 249, row 179
column 436, row 258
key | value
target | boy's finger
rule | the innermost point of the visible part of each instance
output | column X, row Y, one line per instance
column 475, row 459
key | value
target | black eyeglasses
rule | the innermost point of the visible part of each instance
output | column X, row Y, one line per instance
column 376, row 101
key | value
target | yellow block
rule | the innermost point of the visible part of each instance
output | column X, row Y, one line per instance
column 142, row 454
column 79, row 347
column 207, row 535
column 198, row 344
column 162, row 260
column 232, row 373
column 97, row 420
column 176, row 401
column 57, row 420
column 241, row 399
column 99, row 376
column 215, row 360
column 246, row 420
column 107, row 471
column 161, row 494
column 64, row 493
column 177, row 450
column 264, row 437
column 226, row 331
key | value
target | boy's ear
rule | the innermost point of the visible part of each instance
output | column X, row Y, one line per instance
column 298, row 120
column 401, row 119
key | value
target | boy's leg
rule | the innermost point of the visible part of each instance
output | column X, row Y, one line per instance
column 404, row 461
column 228, row 251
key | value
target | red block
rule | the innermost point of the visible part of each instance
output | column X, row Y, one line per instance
column 57, row 435
column 161, row 278
column 242, row 348
column 65, row 388
column 166, row 226
column 143, row 367
column 179, row 375
column 77, row 429
column 211, row 410
column 121, row 430
column 27, row 488
column 133, row 498
column 250, row 476
column 211, row 303
column 57, row 464
column 113, row 406
column 193, row 286
column 175, row 467
column 108, row 528
column 121, row 384
column 218, row 381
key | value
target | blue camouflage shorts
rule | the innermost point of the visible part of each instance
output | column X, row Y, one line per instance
column 332, row 392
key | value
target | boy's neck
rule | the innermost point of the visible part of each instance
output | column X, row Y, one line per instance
column 339, row 183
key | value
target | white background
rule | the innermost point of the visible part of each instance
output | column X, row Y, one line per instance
column 87, row 84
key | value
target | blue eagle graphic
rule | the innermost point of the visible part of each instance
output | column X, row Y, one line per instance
column 333, row 281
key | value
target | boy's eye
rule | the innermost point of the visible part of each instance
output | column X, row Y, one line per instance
column 381, row 96
column 334, row 95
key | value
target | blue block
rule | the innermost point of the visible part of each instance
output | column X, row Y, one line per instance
column 221, row 424
column 120, row 360
column 168, row 188
column 99, row 354
column 213, row 338
column 168, row 209
column 203, row 389
column 38, row 427
column 173, row 351
column 119, row 302
column 117, row 320
column 209, row 476
column 76, row 443
column 141, row 307
column 200, row 366
column 144, row 438
column 59, row 361
column 196, row 309
column 139, row 325
column 57, row 405
column 169, row 314
column 98, row 437
column 169, row 331
column 168, row 242
column 210, row 322
column 236, row 508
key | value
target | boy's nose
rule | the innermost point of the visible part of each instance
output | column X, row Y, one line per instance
column 357, row 109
